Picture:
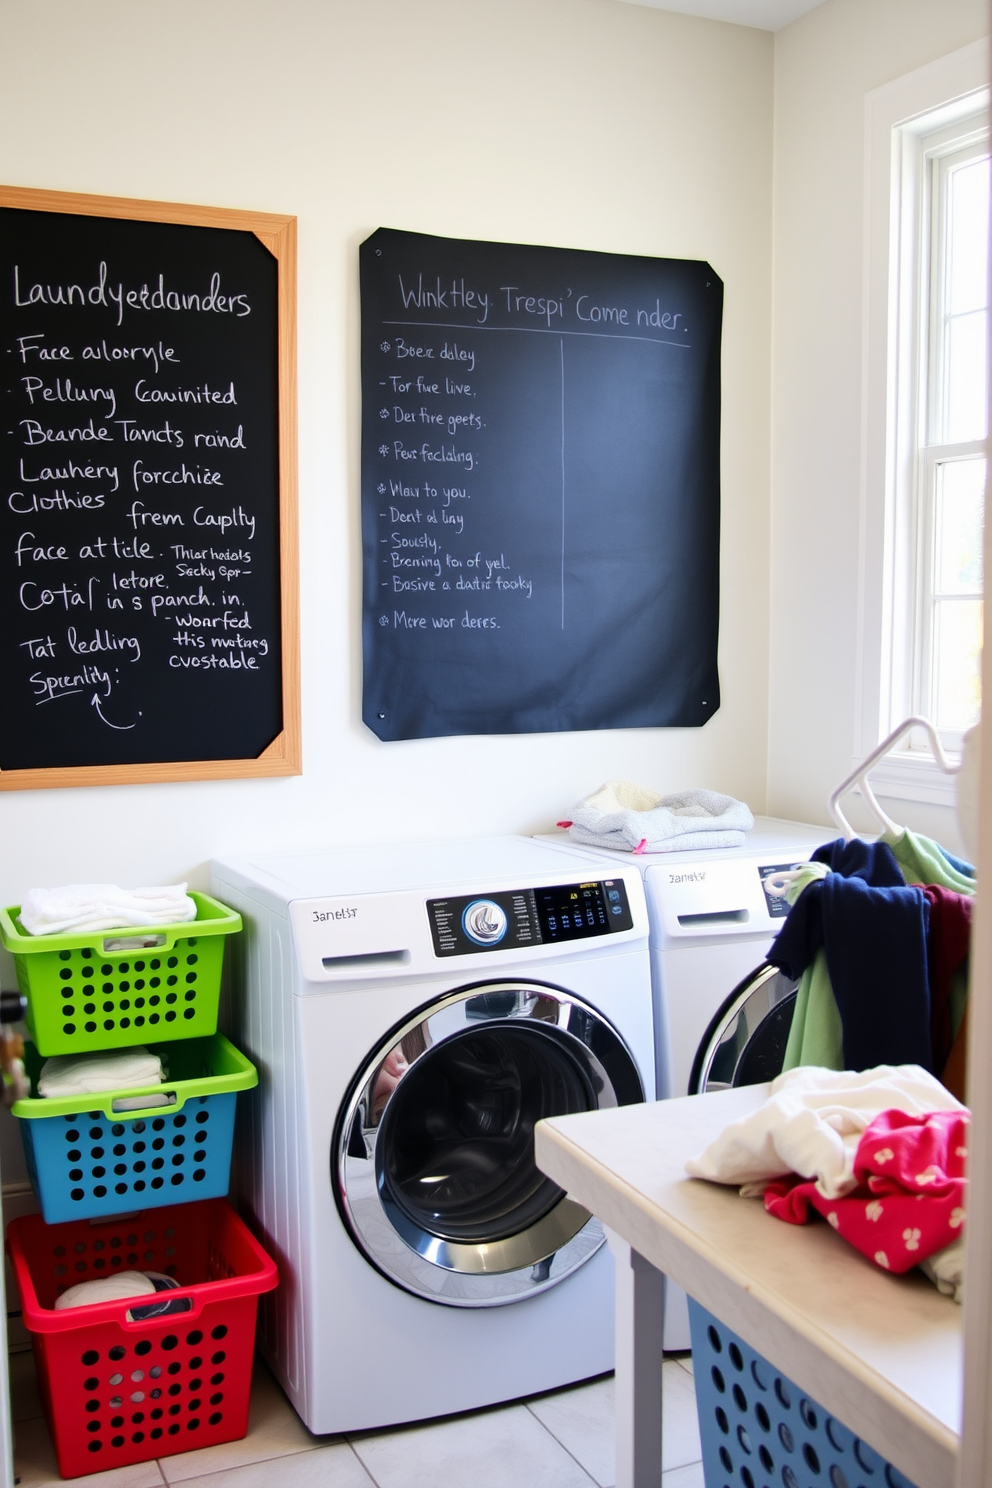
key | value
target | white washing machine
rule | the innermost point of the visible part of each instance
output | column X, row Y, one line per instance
column 413, row 1011
column 712, row 922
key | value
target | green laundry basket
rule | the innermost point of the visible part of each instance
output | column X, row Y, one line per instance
column 109, row 989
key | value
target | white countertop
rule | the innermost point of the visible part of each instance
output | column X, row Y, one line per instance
column 882, row 1353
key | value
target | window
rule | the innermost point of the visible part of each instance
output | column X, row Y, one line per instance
column 951, row 417
column 925, row 410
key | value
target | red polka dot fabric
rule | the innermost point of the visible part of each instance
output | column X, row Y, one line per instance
column 910, row 1196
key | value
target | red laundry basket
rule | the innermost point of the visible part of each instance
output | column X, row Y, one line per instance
column 119, row 1388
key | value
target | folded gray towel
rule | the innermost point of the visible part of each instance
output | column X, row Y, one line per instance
column 637, row 820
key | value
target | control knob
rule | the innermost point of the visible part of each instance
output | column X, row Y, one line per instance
column 484, row 922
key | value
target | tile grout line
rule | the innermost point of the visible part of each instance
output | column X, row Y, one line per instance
column 580, row 1465
column 255, row 1462
column 365, row 1469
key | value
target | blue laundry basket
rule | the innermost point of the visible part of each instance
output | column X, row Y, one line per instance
column 93, row 1156
column 757, row 1427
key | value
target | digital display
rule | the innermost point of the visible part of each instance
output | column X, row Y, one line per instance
column 572, row 911
column 517, row 918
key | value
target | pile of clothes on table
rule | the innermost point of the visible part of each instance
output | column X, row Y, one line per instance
column 880, row 1154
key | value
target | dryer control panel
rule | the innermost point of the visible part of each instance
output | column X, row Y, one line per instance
column 511, row 920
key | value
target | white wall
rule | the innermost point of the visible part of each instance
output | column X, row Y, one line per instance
column 581, row 123
column 825, row 63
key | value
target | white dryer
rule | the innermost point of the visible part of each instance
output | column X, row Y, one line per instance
column 712, row 922
column 413, row 1011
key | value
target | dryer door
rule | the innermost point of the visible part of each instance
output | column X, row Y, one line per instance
column 433, row 1155
column 747, row 1036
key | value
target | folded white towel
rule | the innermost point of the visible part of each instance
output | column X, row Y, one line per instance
column 90, row 1074
column 77, row 907
column 634, row 819
column 812, row 1124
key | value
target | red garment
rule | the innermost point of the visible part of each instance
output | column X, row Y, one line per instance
column 910, row 1198
column 947, row 948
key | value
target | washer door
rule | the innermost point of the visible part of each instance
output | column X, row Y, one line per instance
column 433, row 1153
column 745, row 1042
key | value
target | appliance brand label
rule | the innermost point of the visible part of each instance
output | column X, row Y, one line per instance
column 321, row 916
column 677, row 878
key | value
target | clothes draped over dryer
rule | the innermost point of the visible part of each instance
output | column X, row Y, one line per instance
column 878, row 938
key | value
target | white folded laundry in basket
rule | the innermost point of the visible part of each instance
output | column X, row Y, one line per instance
column 92, row 1074
column 638, row 820
column 80, row 907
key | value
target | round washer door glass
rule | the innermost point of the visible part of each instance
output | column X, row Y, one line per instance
column 434, row 1148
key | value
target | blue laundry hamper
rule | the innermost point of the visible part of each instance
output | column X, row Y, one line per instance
column 93, row 1156
column 758, row 1428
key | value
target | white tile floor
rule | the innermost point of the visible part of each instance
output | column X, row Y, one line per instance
column 562, row 1440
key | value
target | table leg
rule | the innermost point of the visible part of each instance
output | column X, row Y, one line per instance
column 640, row 1317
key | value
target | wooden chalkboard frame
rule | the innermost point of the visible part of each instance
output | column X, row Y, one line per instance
column 277, row 233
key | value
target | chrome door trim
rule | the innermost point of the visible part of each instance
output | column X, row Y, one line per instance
column 447, row 1268
column 755, row 999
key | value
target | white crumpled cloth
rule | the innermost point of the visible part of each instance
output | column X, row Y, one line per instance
column 114, row 1288
column 78, row 907
column 812, row 1124
column 635, row 819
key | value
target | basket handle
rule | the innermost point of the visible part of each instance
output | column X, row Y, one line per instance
column 147, row 942
column 191, row 1309
column 157, row 1308
column 143, row 1102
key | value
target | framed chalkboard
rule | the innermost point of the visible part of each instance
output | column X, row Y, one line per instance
column 148, row 600
column 540, row 488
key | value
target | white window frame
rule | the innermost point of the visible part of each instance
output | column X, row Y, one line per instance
column 900, row 121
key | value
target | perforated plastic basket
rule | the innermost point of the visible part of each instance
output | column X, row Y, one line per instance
column 757, row 1427
column 135, row 1148
column 116, row 1391
column 109, row 989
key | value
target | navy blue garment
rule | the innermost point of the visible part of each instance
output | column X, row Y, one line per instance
column 873, row 928
column 801, row 936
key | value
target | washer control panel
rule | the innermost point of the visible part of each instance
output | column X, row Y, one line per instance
column 778, row 905
column 512, row 919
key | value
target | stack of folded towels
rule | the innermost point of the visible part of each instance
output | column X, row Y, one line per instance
column 81, row 907
column 635, row 819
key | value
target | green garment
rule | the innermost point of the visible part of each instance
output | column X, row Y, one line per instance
column 922, row 862
column 816, row 1035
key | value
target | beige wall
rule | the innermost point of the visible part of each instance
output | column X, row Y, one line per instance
column 824, row 66
column 583, row 123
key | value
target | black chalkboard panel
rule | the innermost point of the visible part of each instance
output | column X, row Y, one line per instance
column 540, row 488
column 141, row 611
